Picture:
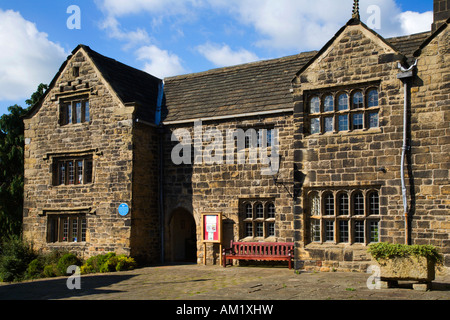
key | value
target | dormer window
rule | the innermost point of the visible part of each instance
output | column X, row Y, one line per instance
column 74, row 111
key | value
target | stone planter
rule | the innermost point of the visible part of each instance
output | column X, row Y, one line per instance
column 413, row 268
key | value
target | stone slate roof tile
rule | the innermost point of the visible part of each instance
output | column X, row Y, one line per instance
column 409, row 44
column 248, row 88
column 130, row 84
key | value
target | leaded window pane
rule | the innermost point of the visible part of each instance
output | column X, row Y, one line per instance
column 315, row 125
column 343, row 231
column 328, row 104
column 373, row 120
column 315, row 105
column 372, row 98
column 329, row 204
column 343, row 204
column 259, row 211
column 343, row 102
column 374, row 203
column 328, row 124
column 315, row 230
column 358, row 203
column 358, row 100
column 329, row 230
column 358, row 121
column 374, row 231
column 359, row 231
column 343, row 122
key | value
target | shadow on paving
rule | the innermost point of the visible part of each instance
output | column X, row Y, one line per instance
column 57, row 288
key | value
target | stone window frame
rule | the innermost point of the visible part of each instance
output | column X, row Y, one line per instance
column 86, row 168
column 68, row 110
column 61, row 226
column 323, row 228
column 329, row 121
column 261, row 228
column 85, row 155
column 254, row 142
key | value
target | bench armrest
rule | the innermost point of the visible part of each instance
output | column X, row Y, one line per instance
column 228, row 251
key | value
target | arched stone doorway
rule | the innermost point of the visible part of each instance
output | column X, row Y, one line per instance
column 183, row 236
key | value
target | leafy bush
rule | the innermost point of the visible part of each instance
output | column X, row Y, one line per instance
column 15, row 257
column 35, row 269
column 66, row 261
column 385, row 250
column 109, row 262
column 51, row 264
column 125, row 263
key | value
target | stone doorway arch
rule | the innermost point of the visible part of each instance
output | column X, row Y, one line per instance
column 183, row 236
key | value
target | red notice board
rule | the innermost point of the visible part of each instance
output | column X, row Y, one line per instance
column 212, row 227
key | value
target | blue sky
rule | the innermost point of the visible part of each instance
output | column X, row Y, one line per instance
column 173, row 37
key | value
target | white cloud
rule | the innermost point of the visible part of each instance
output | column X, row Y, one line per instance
column 131, row 38
column 27, row 57
column 278, row 27
column 307, row 25
column 414, row 22
column 223, row 56
column 160, row 63
column 119, row 8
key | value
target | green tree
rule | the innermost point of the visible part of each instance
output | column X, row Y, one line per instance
column 12, row 166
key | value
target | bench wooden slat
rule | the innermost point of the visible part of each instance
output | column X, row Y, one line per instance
column 274, row 251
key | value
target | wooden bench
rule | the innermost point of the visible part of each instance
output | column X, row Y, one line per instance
column 272, row 251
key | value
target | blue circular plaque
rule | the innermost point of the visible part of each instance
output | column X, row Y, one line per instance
column 124, row 209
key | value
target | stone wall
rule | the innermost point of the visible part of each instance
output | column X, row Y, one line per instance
column 430, row 140
column 107, row 138
column 202, row 188
column 371, row 158
column 145, row 225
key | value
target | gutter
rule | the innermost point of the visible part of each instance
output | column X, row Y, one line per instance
column 241, row 115
column 406, row 75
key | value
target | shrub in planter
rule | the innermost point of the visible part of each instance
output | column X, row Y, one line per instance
column 404, row 262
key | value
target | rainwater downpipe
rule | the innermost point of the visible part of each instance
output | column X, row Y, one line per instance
column 158, row 123
column 405, row 76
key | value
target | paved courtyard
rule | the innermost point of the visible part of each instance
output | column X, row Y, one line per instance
column 198, row 282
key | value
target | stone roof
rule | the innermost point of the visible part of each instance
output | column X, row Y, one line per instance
column 248, row 88
column 130, row 84
column 409, row 44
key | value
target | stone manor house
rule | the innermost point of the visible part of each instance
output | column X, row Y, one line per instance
column 103, row 135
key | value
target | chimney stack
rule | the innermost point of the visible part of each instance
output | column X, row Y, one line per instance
column 441, row 10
